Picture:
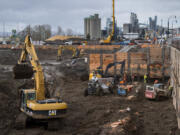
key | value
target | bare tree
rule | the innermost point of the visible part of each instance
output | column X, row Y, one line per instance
column 47, row 31
column 38, row 32
column 22, row 34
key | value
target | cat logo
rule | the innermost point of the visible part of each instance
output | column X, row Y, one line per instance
column 52, row 112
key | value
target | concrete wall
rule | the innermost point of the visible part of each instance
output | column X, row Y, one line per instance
column 151, row 61
column 175, row 80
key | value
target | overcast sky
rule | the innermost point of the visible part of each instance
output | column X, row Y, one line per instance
column 70, row 13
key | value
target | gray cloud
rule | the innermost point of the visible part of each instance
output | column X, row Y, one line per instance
column 70, row 13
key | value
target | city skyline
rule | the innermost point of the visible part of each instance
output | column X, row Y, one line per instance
column 70, row 14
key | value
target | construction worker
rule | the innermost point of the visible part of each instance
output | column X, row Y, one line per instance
column 94, row 77
column 170, row 88
column 122, row 82
column 145, row 78
column 125, row 78
column 132, row 78
column 156, row 82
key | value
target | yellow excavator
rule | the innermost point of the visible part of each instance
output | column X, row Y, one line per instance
column 76, row 52
column 109, row 39
column 33, row 103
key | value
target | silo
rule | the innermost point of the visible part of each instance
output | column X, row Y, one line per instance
column 88, row 26
column 85, row 27
column 92, row 26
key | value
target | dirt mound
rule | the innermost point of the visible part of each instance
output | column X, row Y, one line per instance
column 92, row 115
column 74, row 69
column 8, row 105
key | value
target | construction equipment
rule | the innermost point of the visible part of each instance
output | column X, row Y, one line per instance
column 84, row 42
column 109, row 39
column 76, row 52
column 33, row 103
column 156, row 91
column 100, row 83
column 100, row 86
column 121, row 91
column 99, row 71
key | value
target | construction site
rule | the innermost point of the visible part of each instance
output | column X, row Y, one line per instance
column 92, row 85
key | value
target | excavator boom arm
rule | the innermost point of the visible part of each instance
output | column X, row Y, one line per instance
column 122, row 63
column 29, row 50
column 71, row 48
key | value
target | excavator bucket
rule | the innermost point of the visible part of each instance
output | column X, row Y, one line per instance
column 22, row 71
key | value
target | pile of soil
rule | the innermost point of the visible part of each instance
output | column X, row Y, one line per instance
column 74, row 69
column 8, row 103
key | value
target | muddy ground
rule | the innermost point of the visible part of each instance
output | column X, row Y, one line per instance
column 92, row 115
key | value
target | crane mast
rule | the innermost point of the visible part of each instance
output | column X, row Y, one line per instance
column 111, row 35
column 113, row 26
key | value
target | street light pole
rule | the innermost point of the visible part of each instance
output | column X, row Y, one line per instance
column 168, row 24
column 168, row 28
column 173, row 26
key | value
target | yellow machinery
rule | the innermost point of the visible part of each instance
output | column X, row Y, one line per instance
column 33, row 103
column 99, row 71
column 76, row 52
column 84, row 42
column 109, row 39
column 96, row 73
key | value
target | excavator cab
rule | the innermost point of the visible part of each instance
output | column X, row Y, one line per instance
column 98, row 73
column 27, row 95
column 41, row 109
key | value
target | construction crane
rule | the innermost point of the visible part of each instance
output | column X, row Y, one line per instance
column 33, row 103
column 109, row 39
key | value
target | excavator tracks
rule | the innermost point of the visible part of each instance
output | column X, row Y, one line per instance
column 53, row 124
column 20, row 122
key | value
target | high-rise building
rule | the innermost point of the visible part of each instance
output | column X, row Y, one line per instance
column 135, row 22
column 92, row 27
column 153, row 23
